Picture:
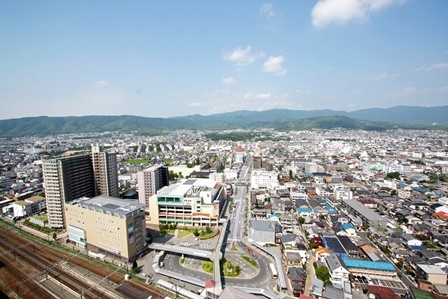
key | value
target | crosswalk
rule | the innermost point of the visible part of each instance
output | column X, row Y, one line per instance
column 207, row 246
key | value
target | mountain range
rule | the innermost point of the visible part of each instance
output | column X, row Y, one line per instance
column 405, row 117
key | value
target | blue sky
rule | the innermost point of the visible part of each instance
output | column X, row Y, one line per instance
column 170, row 58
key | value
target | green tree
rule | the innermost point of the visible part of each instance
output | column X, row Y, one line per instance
column 208, row 230
column 290, row 174
column 55, row 236
column 172, row 175
column 393, row 175
column 196, row 232
column 134, row 266
column 301, row 220
column 322, row 273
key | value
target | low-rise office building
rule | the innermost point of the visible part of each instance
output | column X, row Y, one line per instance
column 192, row 202
column 107, row 225
column 25, row 208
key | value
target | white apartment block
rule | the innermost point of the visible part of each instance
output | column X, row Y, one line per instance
column 150, row 180
column 340, row 194
column 217, row 176
column 263, row 179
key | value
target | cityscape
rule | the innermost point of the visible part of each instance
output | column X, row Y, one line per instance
column 318, row 214
column 224, row 149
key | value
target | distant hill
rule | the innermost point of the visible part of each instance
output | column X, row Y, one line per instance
column 398, row 114
column 405, row 117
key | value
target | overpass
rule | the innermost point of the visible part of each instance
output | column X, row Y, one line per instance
column 215, row 256
column 183, row 250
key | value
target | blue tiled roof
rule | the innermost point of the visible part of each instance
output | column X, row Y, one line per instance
column 330, row 209
column 421, row 190
column 303, row 210
column 347, row 226
column 362, row 264
column 417, row 248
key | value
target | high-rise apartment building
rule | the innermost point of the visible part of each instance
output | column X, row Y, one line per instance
column 70, row 178
column 66, row 179
column 150, row 180
column 105, row 172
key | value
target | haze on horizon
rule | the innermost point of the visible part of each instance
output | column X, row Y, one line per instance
column 152, row 59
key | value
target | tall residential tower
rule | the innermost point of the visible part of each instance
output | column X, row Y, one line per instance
column 70, row 178
column 66, row 179
column 150, row 180
column 105, row 172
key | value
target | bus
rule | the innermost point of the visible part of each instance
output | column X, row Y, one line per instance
column 273, row 271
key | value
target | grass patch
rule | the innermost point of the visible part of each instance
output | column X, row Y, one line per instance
column 250, row 261
column 227, row 268
column 206, row 235
column 41, row 218
column 137, row 161
column 207, row 266
column 183, row 233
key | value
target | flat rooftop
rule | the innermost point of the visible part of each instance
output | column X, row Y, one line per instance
column 362, row 264
column 189, row 187
column 104, row 204
column 363, row 210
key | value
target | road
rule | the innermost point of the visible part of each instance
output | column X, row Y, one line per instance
column 251, row 277
column 237, row 218
column 236, row 226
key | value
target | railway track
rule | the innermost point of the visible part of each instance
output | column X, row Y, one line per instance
column 72, row 271
column 50, row 266
column 20, row 283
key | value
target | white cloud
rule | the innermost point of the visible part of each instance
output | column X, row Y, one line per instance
column 267, row 10
column 255, row 101
column 274, row 65
column 436, row 66
column 326, row 12
column 256, row 96
column 242, row 56
column 382, row 76
column 411, row 90
column 272, row 16
column 228, row 80
column 101, row 83
column 195, row 104
column 443, row 89
column 215, row 92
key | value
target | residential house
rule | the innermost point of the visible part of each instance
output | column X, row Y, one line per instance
column 338, row 272
column 297, row 277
